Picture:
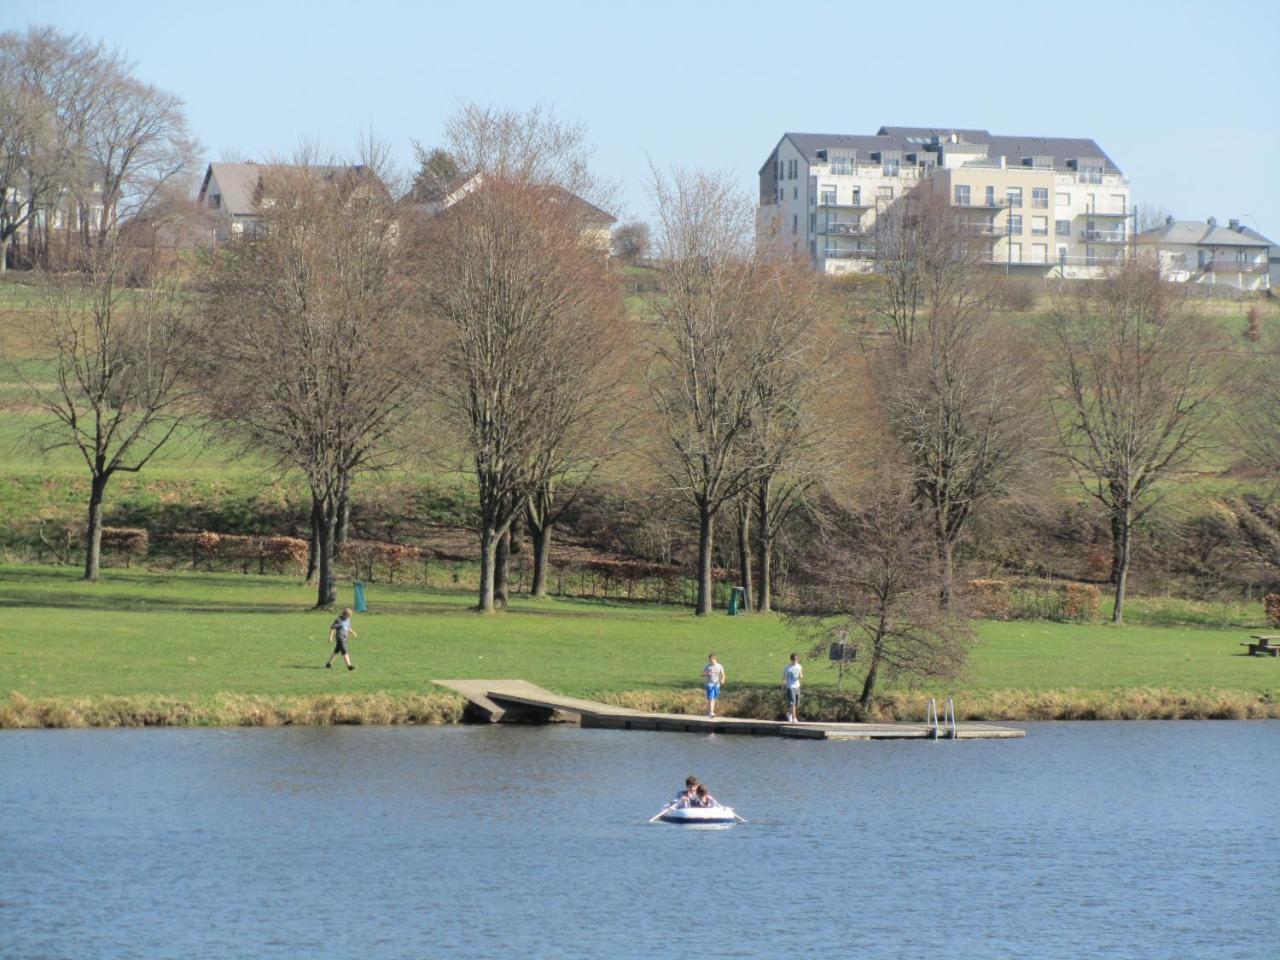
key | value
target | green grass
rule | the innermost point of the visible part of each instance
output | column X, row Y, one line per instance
column 194, row 636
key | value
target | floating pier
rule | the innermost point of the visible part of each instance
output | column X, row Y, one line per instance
column 518, row 701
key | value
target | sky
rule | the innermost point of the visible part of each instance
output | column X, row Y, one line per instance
column 1182, row 96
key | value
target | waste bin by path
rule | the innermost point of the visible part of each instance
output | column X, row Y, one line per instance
column 736, row 597
column 360, row 605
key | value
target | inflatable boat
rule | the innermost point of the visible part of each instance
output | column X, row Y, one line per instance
column 698, row 815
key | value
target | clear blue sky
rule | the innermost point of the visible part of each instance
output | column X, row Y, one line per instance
column 1182, row 95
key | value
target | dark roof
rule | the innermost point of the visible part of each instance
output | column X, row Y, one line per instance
column 1015, row 149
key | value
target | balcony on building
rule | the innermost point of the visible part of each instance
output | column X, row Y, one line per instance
column 1227, row 265
column 844, row 228
column 1105, row 236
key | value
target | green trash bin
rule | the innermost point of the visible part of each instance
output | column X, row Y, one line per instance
column 360, row 605
column 736, row 597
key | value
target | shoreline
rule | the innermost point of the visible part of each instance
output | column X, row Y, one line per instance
column 18, row 712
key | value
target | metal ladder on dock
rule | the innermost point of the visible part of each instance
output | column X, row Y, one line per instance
column 948, row 718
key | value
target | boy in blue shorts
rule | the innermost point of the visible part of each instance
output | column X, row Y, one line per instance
column 712, row 678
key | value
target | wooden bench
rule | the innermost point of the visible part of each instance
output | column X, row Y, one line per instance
column 1263, row 645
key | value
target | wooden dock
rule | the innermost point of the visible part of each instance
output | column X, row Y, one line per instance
column 518, row 701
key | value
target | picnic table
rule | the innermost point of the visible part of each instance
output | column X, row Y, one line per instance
column 1263, row 644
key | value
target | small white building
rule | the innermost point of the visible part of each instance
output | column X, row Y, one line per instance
column 1201, row 251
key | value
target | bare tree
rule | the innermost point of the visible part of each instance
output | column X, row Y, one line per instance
column 1257, row 412
column 46, row 84
column 82, row 140
column 797, row 425
column 137, row 142
column 703, row 379
column 1152, row 216
column 1135, row 375
column 874, row 571
column 120, row 361
column 959, row 387
column 313, row 350
column 532, row 320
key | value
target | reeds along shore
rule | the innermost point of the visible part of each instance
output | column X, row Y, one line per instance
column 235, row 710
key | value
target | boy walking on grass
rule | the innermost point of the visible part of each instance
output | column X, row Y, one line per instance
column 339, row 630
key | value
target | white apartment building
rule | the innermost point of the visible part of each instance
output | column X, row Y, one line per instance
column 1199, row 251
column 1051, row 206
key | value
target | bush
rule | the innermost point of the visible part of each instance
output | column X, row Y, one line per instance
column 1082, row 602
column 366, row 555
column 1271, row 602
column 990, row 599
column 278, row 552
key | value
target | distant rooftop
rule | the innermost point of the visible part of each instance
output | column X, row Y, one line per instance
column 1208, row 233
column 1062, row 152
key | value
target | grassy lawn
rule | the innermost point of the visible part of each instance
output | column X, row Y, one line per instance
column 195, row 635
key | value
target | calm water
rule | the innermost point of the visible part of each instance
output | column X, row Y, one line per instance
column 1084, row 840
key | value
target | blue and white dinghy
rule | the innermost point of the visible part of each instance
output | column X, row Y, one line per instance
column 691, row 816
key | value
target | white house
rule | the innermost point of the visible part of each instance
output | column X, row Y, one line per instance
column 1201, row 251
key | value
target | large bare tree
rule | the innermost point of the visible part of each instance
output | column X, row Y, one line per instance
column 313, row 350
column 84, row 144
column 874, row 573
column 798, row 425
column 120, row 360
column 704, row 375
column 1136, row 373
column 958, row 384
column 531, row 321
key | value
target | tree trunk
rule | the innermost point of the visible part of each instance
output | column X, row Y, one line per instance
column 705, row 518
column 343, row 519
column 764, row 548
column 1122, row 565
column 869, row 684
column 502, row 569
column 744, row 551
column 313, row 543
column 541, row 537
column 488, row 551
column 326, row 584
column 4, row 255
column 946, row 554
column 93, row 532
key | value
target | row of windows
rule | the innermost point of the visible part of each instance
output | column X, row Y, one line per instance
column 786, row 169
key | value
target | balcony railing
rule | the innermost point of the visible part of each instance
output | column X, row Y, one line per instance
column 1107, row 213
column 857, row 205
column 848, row 254
column 846, row 229
column 1105, row 236
column 1223, row 265
column 982, row 205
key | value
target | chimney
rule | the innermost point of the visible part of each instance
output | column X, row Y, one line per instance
column 1213, row 221
column 1234, row 225
column 1168, row 221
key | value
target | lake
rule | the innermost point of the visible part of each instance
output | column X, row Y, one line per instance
column 1138, row 840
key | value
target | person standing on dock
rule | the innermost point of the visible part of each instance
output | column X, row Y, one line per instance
column 712, row 678
column 339, row 630
column 791, row 686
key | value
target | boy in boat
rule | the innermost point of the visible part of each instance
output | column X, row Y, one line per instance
column 712, row 677
column 791, row 685
column 703, row 799
column 339, row 630
column 686, row 797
